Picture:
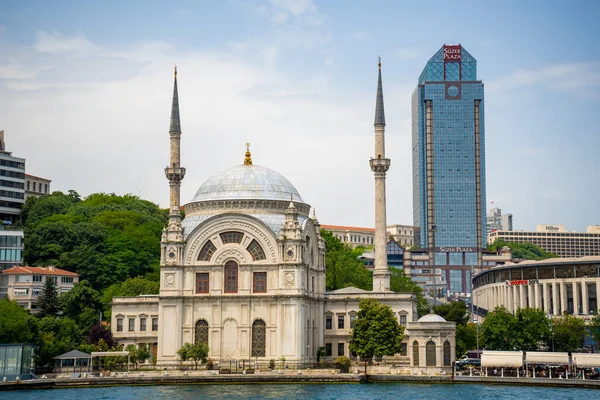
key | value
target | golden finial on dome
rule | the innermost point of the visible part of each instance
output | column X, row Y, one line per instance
column 248, row 159
column 379, row 63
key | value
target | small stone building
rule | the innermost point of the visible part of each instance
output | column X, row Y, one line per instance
column 432, row 345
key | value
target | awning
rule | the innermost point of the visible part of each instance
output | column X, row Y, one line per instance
column 73, row 354
column 582, row 360
column 547, row 357
column 509, row 359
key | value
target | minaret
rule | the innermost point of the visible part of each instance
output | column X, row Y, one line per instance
column 175, row 174
column 379, row 166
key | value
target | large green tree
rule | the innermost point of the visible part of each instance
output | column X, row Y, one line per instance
column 82, row 304
column 466, row 338
column 106, row 238
column 525, row 251
column 344, row 269
column 594, row 327
column 16, row 324
column 455, row 311
column 532, row 329
column 567, row 333
column 499, row 330
column 376, row 331
column 56, row 336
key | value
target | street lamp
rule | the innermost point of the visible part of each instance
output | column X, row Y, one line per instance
column 433, row 230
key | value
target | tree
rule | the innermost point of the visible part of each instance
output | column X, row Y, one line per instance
column 130, row 287
column 198, row 352
column 16, row 324
column 455, row 311
column 524, row 251
column 400, row 283
column 184, row 352
column 498, row 330
column 101, row 334
column 344, row 269
column 82, row 304
column 466, row 337
column 376, row 331
column 567, row 332
column 532, row 329
column 594, row 327
column 48, row 303
column 56, row 336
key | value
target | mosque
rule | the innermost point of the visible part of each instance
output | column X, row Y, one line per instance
column 244, row 271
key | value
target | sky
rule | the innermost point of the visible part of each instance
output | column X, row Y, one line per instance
column 86, row 90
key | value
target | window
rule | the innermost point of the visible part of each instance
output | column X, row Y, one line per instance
column 403, row 349
column 256, row 251
column 259, row 334
column 352, row 320
column 34, row 186
column 143, row 324
column 45, row 188
column 430, row 360
column 155, row 324
column 340, row 322
column 415, row 347
column 37, row 278
column 260, row 282
column 341, row 349
column 65, row 279
column 231, row 277
column 131, row 324
column 119, row 324
column 328, row 349
column 207, row 251
column 28, row 182
column 328, row 322
column 313, row 285
column 446, row 353
column 201, row 331
column 402, row 320
column 231, row 237
column 21, row 292
column 202, row 285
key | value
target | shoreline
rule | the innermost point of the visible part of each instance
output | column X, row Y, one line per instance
column 180, row 379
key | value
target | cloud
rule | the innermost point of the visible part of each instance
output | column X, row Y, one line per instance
column 562, row 77
column 55, row 42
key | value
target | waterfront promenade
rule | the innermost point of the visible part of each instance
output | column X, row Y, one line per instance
column 279, row 377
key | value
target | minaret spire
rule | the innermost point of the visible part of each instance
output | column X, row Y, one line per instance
column 380, row 165
column 174, row 171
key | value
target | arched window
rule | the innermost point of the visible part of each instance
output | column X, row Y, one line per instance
column 430, row 354
column 446, row 353
column 231, row 277
column 259, row 343
column 231, row 237
column 207, row 251
column 201, row 332
column 415, row 353
column 256, row 251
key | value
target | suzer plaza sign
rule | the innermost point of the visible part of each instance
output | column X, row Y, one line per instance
column 452, row 53
column 456, row 249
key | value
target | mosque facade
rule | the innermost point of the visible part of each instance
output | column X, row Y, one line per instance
column 244, row 271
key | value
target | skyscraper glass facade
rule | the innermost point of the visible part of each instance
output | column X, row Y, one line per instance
column 448, row 136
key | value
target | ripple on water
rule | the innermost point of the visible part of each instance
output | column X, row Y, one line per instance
column 395, row 391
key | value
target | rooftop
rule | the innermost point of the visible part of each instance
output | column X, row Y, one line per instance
column 50, row 270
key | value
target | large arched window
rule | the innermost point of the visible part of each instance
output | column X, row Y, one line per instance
column 231, row 237
column 256, row 251
column 201, row 332
column 231, row 277
column 446, row 353
column 259, row 342
column 430, row 354
column 415, row 353
column 207, row 251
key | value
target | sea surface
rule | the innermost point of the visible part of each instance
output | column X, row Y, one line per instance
column 372, row 391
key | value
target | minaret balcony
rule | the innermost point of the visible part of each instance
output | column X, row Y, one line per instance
column 174, row 173
column 379, row 165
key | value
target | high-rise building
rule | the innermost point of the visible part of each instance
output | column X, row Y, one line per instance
column 12, row 184
column 496, row 221
column 448, row 139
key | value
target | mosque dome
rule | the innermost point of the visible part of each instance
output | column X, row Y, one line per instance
column 431, row 317
column 247, row 182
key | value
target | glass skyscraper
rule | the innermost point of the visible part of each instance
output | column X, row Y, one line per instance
column 448, row 138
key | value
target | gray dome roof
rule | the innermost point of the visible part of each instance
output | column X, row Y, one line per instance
column 248, row 182
column 431, row 317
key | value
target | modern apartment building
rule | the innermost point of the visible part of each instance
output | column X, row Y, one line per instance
column 448, row 137
column 496, row 221
column 36, row 186
column 24, row 284
column 556, row 239
column 11, row 247
column 12, row 184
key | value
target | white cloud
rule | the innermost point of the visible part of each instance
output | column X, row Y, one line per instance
column 55, row 42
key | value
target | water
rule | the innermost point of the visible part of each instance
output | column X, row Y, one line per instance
column 396, row 391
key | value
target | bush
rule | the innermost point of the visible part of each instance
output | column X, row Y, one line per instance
column 343, row 363
column 210, row 364
column 272, row 364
